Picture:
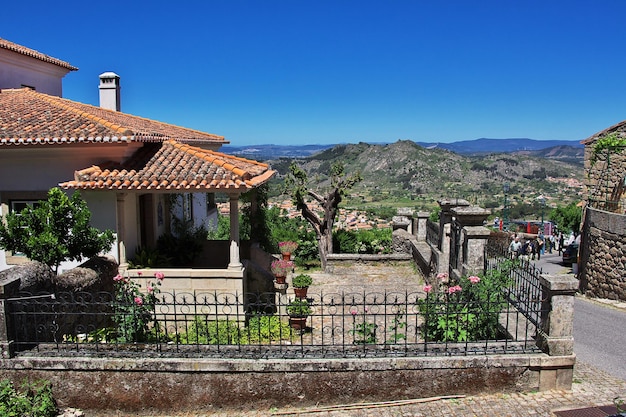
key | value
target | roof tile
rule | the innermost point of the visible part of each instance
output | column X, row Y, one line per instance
column 173, row 166
column 4, row 44
column 30, row 117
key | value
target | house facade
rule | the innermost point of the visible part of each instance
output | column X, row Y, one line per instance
column 134, row 173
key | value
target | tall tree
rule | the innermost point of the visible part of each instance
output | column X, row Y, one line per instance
column 297, row 184
column 56, row 230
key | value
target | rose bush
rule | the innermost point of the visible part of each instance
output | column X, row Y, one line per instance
column 134, row 309
column 467, row 310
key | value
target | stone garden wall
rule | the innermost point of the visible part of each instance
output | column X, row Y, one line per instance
column 603, row 255
column 183, row 385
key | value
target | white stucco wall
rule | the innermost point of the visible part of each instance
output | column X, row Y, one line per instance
column 17, row 71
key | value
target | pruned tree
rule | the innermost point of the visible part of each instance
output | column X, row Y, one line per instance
column 56, row 230
column 297, row 184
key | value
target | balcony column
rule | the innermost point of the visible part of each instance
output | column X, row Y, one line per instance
column 235, row 261
column 121, row 229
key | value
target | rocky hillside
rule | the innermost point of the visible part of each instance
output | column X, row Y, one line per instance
column 405, row 169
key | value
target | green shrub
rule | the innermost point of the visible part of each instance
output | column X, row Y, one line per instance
column 212, row 332
column 467, row 310
column 32, row 400
column 302, row 281
column 183, row 246
column 345, row 241
column 266, row 329
column 362, row 241
column 260, row 329
column 298, row 308
column 148, row 258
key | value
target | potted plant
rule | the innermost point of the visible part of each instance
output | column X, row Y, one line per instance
column 287, row 248
column 298, row 311
column 301, row 284
column 280, row 269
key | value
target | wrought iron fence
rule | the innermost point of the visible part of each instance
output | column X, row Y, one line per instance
column 338, row 325
column 525, row 293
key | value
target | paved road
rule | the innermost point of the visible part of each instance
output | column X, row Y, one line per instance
column 599, row 329
column 600, row 336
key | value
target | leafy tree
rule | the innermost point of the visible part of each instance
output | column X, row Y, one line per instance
column 297, row 184
column 55, row 231
column 568, row 217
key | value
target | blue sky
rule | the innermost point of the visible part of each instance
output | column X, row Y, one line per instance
column 314, row 72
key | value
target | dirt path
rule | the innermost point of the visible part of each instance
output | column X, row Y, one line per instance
column 369, row 277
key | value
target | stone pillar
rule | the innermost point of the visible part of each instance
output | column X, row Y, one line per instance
column 445, row 218
column 444, row 240
column 235, row 262
column 556, row 337
column 472, row 238
column 403, row 223
column 8, row 288
column 420, row 221
column 404, row 219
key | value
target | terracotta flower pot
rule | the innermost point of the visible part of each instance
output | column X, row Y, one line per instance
column 280, row 279
column 287, row 256
column 300, row 292
column 297, row 323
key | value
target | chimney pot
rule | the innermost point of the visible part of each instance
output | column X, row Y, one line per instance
column 110, row 91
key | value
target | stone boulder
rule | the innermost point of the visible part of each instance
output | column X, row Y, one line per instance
column 95, row 275
column 34, row 277
column 49, row 308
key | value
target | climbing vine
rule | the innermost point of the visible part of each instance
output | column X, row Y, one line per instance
column 610, row 143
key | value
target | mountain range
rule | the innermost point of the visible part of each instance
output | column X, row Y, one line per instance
column 467, row 147
column 409, row 171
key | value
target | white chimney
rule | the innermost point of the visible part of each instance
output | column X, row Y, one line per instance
column 110, row 91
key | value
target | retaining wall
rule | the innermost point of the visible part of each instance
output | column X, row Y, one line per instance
column 178, row 385
column 603, row 255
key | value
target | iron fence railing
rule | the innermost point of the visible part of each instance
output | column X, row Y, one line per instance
column 340, row 325
column 525, row 293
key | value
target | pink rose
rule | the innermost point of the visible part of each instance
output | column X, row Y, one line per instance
column 443, row 276
column 150, row 288
column 159, row 275
column 139, row 273
column 454, row 289
column 138, row 300
column 428, row 288
column 118, row 278
column 474, row 279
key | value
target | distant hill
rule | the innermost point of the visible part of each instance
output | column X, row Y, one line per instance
column 484, row 145
column 407, row 171
column 468, row 147
column 264, row 152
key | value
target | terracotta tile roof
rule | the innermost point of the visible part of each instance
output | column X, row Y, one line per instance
column 4, row 44
column 173, row 166
column 30, row 117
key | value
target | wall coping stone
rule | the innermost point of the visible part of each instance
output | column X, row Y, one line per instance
column 559, row 283
column 194, row 365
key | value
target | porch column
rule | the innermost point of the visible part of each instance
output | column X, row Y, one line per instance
column 121, row 229
column 235, row 262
